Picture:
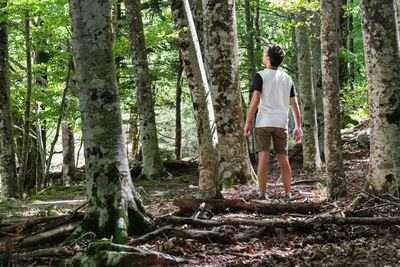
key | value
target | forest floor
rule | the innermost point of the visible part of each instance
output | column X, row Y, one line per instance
column 327, row 245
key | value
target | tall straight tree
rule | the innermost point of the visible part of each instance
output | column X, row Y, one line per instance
column 153, row 167
column 222, row 64
column 8, row 172
column 382, row 59
column 311, row 157
column 317, row 78
column 22, row 180
column 178, row 112
column 114, row 208
column 330, row 85
column 202, row 104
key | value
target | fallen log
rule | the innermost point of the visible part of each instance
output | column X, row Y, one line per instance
column 285, row 207
column 48, row 235
column 190, row 205
column 204, row 236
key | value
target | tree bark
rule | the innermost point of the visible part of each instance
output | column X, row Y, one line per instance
column 222, row 67
column 317, row 79
column 332, row 121
column 382, row 58
column 114, row 208
column 152, row 165
column 208, row 178
column 27, row 114
column 311, row 157
column 178, row 113
column 8, row 171
column 250, row 41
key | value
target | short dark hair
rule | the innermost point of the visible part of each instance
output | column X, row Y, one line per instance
column 276, row 54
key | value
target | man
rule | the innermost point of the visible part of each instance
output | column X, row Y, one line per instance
column 273, row 91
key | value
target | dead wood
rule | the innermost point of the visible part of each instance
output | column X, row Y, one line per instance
column 46, row 252
column 150, row 235
column 204, row 236
column 190, row 205
column 42, row 223
column 295, row 183
column 48, row 235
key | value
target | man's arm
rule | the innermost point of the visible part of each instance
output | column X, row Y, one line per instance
column 297, row 134
column 255, row 100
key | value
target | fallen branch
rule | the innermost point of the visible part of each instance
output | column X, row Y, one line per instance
column 190, row 205
column 51, row 234
column 295, row 183
column 150, row 235
column 46, row 252
column 204, row 236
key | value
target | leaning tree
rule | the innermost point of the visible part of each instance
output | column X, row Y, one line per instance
column 114, row 208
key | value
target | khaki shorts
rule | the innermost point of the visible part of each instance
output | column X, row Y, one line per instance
column 279, row 137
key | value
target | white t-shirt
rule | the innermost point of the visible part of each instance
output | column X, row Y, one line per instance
column 276, row 89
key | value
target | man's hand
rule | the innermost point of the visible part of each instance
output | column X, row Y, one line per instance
column 297, row 134
column 248, row 130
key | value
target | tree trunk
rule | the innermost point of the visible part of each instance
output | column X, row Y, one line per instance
column 178, row 113
column 311, row 157
column 351, row 50
column 114, row 208
column 258, row 33
column 317, row 79
column 134, row 131
column 25, row 142
column 222, row 66
column 332, row 121
column 8, row 173
column 208, row 180
column 398, row 18
column 382, row 58
column 342, row 43
column 152, row 164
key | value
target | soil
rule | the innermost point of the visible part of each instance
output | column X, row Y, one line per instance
column 331, row 245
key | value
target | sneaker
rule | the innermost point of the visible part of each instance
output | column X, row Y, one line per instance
column 262, row 197
column 288, row 197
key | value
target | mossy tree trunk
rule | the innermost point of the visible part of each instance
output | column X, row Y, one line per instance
column 382, row 58
column 330, row 85
column 222, row 65
column 152, row 164
column 311, row 157
column 317, row 78
column 208, row 180
column 8, row 172
column 114, row 208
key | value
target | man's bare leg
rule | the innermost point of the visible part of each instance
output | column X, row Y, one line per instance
column 286, row 172
column 262, row 171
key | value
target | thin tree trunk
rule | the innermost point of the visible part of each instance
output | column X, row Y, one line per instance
column 222, row 67
column 382, row 58
column 342, row 43
column 152, row 164
column 311, row 157
column 178, row 113
column 8, row 173
column 317, row 79
column 332, row 121
column 114, row 208
column 27, row 114
column 257, row 31
column 133, row 130
column 202, row 104
column 351, row 50
column 250, row 41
